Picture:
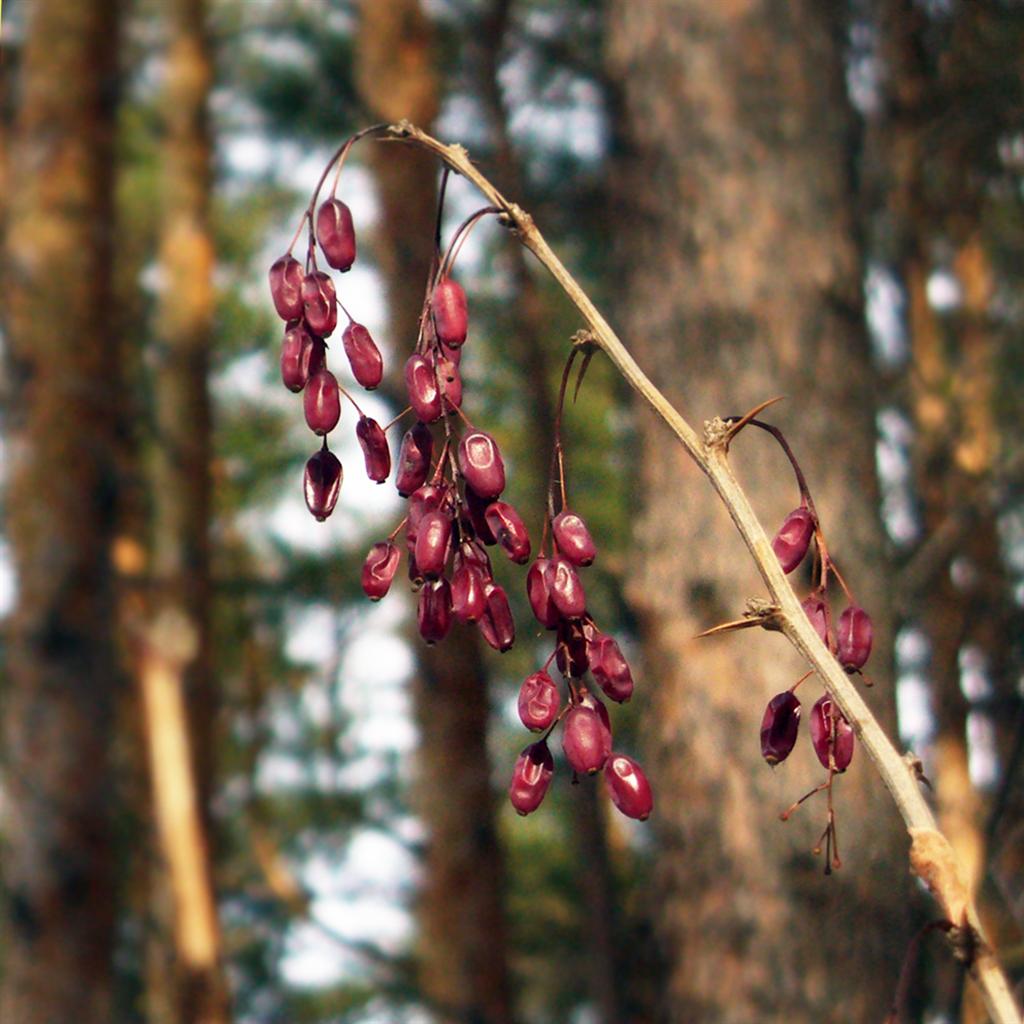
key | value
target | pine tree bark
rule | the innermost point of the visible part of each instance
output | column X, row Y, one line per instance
column 61, row 687
column 742, row 282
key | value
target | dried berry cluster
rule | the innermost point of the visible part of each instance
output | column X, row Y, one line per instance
column 453, row 476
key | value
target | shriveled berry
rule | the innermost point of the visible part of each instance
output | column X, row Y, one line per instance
column 566, row 590
column 496, row 625
column 321, row 402
column 433, row 544
column 509, row 530
column 379, row 569
column 814, row 606
column 424, row 397
column 469, row 598
column 374, row 443
column 296, row 351
column 573, row 538
column 531, row 777
column 539, row 701
column 363, row 356
column 779, row 727
column 628, row 787
column 414, row 459
column 336, row 235
column 321, row 483
column 319, row 303
column 853, row 638
column 571, row 650
column 790, row 544
column 586, row 740
column 434, row 613
column 451, row 316
column 823, row 715
column 538, row 590
column 481, row 464
column 286, row 276
column 609, row 668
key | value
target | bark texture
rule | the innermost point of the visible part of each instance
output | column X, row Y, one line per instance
column 734, row 212
column 61, row 686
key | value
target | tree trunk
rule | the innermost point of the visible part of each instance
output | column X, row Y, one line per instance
column 742, row 282
column 62, row 682
column 462, row 948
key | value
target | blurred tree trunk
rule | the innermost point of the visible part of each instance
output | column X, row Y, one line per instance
column 462, row 948
column 742, row 281
column 178, row 696
column 61, row 687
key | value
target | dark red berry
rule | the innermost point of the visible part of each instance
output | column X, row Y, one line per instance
column 321, row 402
column 790, row 544
column 451, row 317
column 571, row 650
column 434, row 614
column 379, row 569
column 296, row 351
column 481, row 465
column 628, row 787
column 476, row 509
column 286, row 287
column 824, row 715
column 414, row 459
column 421, row 385
column 509, row 530
column 538, row 590
column 321, row 483
column 469, row 598
column 539, row 701
column 433, row 544
column 496, row 624
column 815, row 608
column 609, row 668
column 779, row 727
column 374, row 443
column 336, row 235
column 853, row 638
column 363, row 356
column 476, row 555
column 586, row 740
column 531, row 777
column 566, row 590
column 428, row 498
column 319, row 303
column 573, row 538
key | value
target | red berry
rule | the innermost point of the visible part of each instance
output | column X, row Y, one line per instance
column 794, row 538
column 509, row 530
column 573, row 538
column 823, row 716
column 447, row 375
column 414, row 459
column 433, row 544
column 336, row 235
column 609, row 668
column 496, row 624
column 319, row 303
column 322, row 402
column 321, row 483
column 469, row 598
column 434, row 614
column 531, row 777
column 586, row 740
column 296, row 353
column 451, row 317
column 286, row 287
column 363, row 356
column 567, row 592
column 481, row 465
column 853, row 638
column 421, row 385
column 628, row 787
column 374, row 443
column 814, row 606
column 779, row 727
column 538, row 590
column 539, row 701
column 379, row 569
column 476, row 510
column 571, row 649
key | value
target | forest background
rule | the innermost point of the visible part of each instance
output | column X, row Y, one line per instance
column 232, row 790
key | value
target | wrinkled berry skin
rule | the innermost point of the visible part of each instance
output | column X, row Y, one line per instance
column 628, row 787
column 433, row 541
column 481, row 464
column 321, row 483
column 509, row 530
column 790, row 544
column 853, row 638
column 821, row 715
column 573, row 538
column 539, row 701
column 451, row 316
column 374, row 443
column 609, row 668
column 814, row 606
column 469, row 597
column 538, row 590
column 321, row 402
column 450, row 381
column 363, row 356
column 421, row 386
column 336, row 235
column 286, row 276
column 586, row 740
column 496, row 624
column 779, row 727
column 434, row 613
column 567, row 594
column 414, row 459
column 379, row 569
column 531, row 777
column 296, row 354
column 319, row 303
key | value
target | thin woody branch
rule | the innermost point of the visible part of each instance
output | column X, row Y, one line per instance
column 931, row 856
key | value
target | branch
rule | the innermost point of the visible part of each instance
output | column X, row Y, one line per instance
column 931, row 856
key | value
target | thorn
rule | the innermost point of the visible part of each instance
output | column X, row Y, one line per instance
column 588, row 355
column 739, row 424
column 728, row 627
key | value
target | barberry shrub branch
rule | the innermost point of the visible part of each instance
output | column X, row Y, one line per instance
column 931, row 856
